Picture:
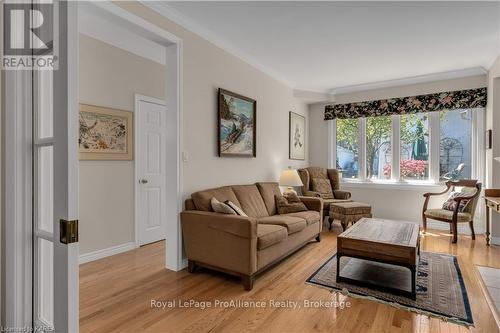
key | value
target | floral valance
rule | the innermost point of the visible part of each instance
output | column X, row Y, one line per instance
column 450, row 100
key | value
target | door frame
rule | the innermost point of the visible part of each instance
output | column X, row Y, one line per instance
column 16, row 240
column 168, row 163
column 173, row 101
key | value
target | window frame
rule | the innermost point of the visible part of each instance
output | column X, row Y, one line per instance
column 478, row 150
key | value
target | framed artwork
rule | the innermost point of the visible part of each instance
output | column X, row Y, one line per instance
column 297, row 137
column 236, row 125
column 105, row 133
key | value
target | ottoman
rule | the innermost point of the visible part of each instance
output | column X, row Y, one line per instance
column 349, row 212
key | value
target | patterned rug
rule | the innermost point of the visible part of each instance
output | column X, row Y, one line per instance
column 440, row 287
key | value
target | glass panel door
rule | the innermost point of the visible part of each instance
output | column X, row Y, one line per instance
column 55, row 178
column 43, row 151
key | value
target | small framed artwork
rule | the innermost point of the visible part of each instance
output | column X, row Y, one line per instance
column 105, row 133
column 237, row 124
column 297, row 137
column 489, row 139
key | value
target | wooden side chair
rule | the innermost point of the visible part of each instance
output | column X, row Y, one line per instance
column 470, row 191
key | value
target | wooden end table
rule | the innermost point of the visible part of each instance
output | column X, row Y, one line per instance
column 492, row 202
column 386, row 241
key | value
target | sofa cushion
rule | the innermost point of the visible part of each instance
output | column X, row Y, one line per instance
column 236, row 208
column 311, row 216
column 220, row 207
column 323, row 187
column 270, row 234
column 350, row 208
column 250, row 200
column 286, row 205
column 268, row 190
column 293, row 224
column 202, row 199
column 447, row 214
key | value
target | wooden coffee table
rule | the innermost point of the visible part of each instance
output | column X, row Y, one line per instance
column 385, row 241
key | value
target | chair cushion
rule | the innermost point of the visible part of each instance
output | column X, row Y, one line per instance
column 317, row 172
column 250, row 200
column 450, row 203
column 289, row 204
column 323, row 186
column 311, row 216
column 350, row 208
column 291, row 223
column 270, row 234
column 268, row 190
column 447, row 214
column 202, row 199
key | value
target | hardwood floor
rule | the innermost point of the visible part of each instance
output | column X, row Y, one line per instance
column 116, row 294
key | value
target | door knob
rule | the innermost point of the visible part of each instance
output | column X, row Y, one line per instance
column 143, row 181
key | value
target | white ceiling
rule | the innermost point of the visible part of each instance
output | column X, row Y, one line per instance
column 320, row 46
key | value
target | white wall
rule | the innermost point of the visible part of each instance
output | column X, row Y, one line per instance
column 493, row 122
column 391, row 202
column 205, row 69
column 110, row 77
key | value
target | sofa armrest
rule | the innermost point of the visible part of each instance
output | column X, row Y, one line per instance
column 312, row 194
column 313, row 203
column 223, row 241
column 236, row 225
column 339, row 194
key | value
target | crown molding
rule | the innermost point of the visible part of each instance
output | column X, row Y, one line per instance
column 467, row 72
column 175, row 16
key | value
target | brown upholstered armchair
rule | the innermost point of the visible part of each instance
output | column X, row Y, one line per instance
column 470, row 191
column 308, row 174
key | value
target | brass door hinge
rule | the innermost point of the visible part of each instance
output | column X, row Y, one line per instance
column 68, row 231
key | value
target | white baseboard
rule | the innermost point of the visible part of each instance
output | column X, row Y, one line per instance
column 495, row 240
column 184, row 263
column 462, row 228
column 99, row 254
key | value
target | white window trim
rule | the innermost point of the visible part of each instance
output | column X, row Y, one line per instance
column 396, row 182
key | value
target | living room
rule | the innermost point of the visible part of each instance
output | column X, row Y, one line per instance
column 315, row 166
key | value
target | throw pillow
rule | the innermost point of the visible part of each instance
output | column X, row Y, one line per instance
column 220, row 207
column 235, row 207
column 450, row 204
column 285, row 206
column 323, row 187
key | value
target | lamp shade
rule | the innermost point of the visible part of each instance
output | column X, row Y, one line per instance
column 290, row 177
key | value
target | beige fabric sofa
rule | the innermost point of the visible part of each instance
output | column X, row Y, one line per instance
column 245, row 246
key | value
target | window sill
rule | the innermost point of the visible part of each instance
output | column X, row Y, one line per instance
column 393, row 185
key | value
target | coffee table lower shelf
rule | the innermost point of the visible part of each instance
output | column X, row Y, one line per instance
column 413, row 271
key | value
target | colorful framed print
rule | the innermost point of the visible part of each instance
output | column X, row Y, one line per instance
column 236, row 125
column 105, row 133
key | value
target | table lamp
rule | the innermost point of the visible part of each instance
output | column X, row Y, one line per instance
column 290, row 178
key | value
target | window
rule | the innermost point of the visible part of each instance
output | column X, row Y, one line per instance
column 347, row 147
column 426, row 147
column 414, row 141
column 455, row 144
column 378, row 147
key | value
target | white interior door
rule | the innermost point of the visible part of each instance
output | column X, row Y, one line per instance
column 150, row 164
column 55, row 180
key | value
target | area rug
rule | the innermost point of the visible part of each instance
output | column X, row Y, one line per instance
column 440, row 287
